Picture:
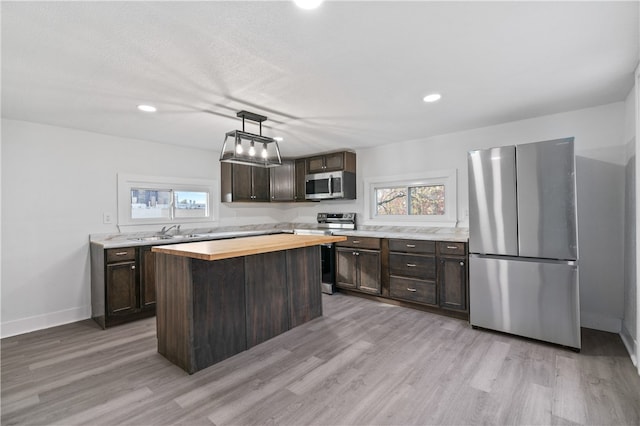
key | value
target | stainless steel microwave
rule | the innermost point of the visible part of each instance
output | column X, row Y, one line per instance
column 330, row 186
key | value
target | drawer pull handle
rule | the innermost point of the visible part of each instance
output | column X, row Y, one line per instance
column 411, row 245
column 356, row 241
column 122, row 253
column 452, row 247
column 411, row 289
column 411, row 265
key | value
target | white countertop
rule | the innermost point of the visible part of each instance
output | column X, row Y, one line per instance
column 119, row 240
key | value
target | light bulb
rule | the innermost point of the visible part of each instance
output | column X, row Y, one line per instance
column 434, row 97
column 264, row 150
column 239, row 148
column 252, row 150
column 308, row 4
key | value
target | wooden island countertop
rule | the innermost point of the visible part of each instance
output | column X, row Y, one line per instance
column 215, row 299
column 245, row 246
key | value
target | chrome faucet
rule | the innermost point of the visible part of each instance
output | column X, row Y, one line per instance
column 164, row 229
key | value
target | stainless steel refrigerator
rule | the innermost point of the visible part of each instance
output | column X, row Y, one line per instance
column 523, row 266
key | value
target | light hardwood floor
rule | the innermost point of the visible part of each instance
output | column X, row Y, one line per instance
column 362, row 363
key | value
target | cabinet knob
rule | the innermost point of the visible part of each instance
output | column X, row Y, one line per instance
column 461, row 263
column 133, row 266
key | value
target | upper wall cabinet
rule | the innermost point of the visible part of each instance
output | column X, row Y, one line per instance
column 300, row 177
column 285, row 183
column 335, row 161
column 243, row 183
column 282, row 181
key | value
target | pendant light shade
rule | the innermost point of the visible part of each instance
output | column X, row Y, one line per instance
column 241, row 147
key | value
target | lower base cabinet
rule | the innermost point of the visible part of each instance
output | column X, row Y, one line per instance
column 417, row 273
column 122, row 284
column 452, row 283
column 358, row 265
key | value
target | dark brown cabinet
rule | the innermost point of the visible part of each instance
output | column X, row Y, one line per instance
column 358, row 264
column 300, row 179
column 429, row 272
column 344, row 160
column 147, row 277
column 452, row 276
column 285, row 183
column 412, row 271
column 244, row 183
column 122, row 284
column 121, row 288
column 282, row 180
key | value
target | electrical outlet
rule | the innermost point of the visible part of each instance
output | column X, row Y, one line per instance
column 107, row 218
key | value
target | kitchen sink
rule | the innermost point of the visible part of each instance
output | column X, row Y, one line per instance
column 153, row 238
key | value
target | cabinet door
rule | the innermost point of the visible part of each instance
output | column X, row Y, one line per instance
column 346, row 267
column 369, row 271
column 147, row 278
column 282, row 181
column 333, row 162
column 453, row 283
column 315, row 164
column 301, row 173
column 242, row 182
column 121, row 288
column 260, row 183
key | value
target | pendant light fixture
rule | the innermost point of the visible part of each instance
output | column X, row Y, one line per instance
column 235, row 142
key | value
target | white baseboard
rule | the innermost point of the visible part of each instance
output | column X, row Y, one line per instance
column 39, row 322
column 600, row 322
column 631, row 345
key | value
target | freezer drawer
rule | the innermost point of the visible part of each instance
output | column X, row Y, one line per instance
column 534, row 299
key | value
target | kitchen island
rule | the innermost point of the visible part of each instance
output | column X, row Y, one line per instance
column 218, row 298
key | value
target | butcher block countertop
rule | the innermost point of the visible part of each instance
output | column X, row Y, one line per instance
column 246, row 246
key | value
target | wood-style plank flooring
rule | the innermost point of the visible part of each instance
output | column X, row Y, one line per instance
column 362, row 363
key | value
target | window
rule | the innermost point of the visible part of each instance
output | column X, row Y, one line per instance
column 425, row 198
column 153, row 200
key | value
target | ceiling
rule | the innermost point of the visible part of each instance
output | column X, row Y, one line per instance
column 347, row 75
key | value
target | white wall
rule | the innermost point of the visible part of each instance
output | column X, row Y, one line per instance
column 56, row 184
column 69, row 177
column 600, row 172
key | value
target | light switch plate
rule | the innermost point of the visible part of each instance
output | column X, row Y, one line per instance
column 107, row 218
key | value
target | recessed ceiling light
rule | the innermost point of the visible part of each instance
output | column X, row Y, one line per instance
column 308, row 4
column 147, row 108
column 432, row 97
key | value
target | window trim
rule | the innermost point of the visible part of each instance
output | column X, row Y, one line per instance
column 448, row 178
column 127, row 182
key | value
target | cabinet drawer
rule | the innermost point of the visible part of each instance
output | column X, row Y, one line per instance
column 121, row 254
column 414, row 266
column 413, row 290
column 361, row 242
column 451, row 248
column 412, row 246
